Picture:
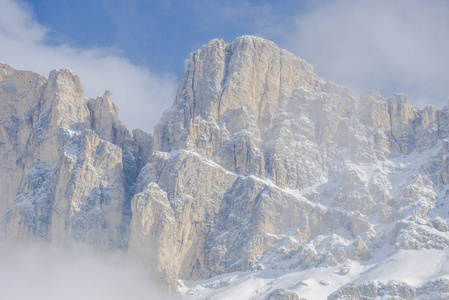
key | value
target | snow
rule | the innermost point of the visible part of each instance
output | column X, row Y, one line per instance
column 388, row 263
column 414, row 267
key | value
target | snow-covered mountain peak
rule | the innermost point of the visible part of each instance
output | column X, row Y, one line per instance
column 261, row 175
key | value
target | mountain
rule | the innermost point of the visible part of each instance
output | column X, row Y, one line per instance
column 262, row 181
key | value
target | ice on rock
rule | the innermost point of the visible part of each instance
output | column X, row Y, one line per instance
column 306, row 159
column 260, row 168
column 66, row 158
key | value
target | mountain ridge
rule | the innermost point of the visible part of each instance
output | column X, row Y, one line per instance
column 259, row 165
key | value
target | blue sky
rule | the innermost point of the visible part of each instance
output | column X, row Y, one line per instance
column 158, row 34
column 138, row 48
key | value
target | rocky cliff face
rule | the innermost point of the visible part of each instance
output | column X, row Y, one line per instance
column 259, row 164
column 259, row 155
column 68, row 165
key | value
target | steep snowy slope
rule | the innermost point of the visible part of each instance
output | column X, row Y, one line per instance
column 262, row 181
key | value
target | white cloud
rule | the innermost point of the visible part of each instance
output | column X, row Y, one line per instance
column 41, row 271
column 140, row 94
column 391, row 46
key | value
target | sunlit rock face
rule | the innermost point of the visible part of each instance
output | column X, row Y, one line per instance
column 258, row 164
column 259, row 161
column 68, row 165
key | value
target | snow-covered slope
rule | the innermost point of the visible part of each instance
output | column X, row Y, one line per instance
column 262, row 181
column 405, row 274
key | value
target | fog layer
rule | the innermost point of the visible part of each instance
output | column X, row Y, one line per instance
column 46, row 272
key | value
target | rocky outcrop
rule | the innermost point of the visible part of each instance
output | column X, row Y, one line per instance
column 68, row 164
column 435, row 289
column 375, row 290
column 295, row 154
column 258, row 164
column 282, row 294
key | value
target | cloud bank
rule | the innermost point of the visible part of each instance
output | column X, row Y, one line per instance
column 140, row 94
column 390, row 46
column 44, row 272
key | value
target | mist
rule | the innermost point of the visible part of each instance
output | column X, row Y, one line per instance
column 42, row 271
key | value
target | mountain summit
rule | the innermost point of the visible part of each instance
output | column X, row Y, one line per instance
column 260, row 170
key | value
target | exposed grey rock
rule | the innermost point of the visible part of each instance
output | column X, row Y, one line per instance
column 298, row 153
column 282, row 294
column 435, row 289
column 63, row 166
column 375, row 290
column 258, row 164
